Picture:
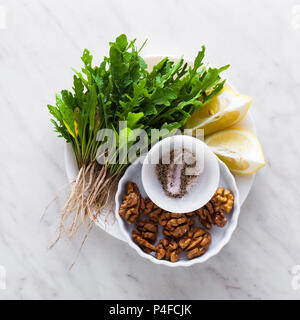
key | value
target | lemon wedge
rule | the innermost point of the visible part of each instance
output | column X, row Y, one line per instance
column 224, row 110
column 239, row 149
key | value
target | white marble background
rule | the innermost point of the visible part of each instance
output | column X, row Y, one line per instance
column 40, row 40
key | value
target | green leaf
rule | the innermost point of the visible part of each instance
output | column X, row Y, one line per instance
column 55, row 112
column 66, row 112
column 68, row 98
column 92, row 102
column 87, row 58
column 121, row 42
column 142, row 63
column 78, row 89
column 198, row 60
column 164, row 96
column 133, row 119
column 149, row 109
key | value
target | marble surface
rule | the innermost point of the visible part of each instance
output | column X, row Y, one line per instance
column 39, row 43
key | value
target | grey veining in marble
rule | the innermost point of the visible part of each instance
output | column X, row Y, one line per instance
column 39, row 43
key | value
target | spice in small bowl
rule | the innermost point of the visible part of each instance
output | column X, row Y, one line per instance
column 178, row 171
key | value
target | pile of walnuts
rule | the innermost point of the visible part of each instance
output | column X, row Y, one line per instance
column 181, row 235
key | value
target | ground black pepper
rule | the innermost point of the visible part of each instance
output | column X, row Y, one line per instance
column 172, row 175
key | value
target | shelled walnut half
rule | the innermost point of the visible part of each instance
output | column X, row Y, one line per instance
column 132, row 204
column 152, row 210
column 213, row 213
column 175, row 225
column 167, row 249
column 141, row 242
column 145, row 235
column 148, row 229
column 225, row 198
column 195, row 243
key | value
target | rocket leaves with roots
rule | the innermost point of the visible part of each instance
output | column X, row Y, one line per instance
column 121, row 88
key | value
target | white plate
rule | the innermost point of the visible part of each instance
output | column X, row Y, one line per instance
column 108, row 223
column 220, row 236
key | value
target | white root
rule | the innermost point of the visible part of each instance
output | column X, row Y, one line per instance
column 90, row 194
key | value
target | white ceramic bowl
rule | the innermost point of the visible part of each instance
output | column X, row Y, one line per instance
column 205, row 184
column 220, row 236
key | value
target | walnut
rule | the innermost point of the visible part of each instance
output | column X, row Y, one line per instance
column 225, row 198
column 145, row 245
column 191, row 214
column 196, row 242
column 132, row 204
column 177, row 227
column 145, row 235
column 148, row 229
column 167, row 249
column 212, row 214
column 175, row 224
column 152, row 210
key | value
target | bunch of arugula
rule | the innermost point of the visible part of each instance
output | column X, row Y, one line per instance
column 121, row 89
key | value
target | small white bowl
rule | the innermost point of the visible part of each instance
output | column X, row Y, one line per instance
column 220, row 236
column 204, row 186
